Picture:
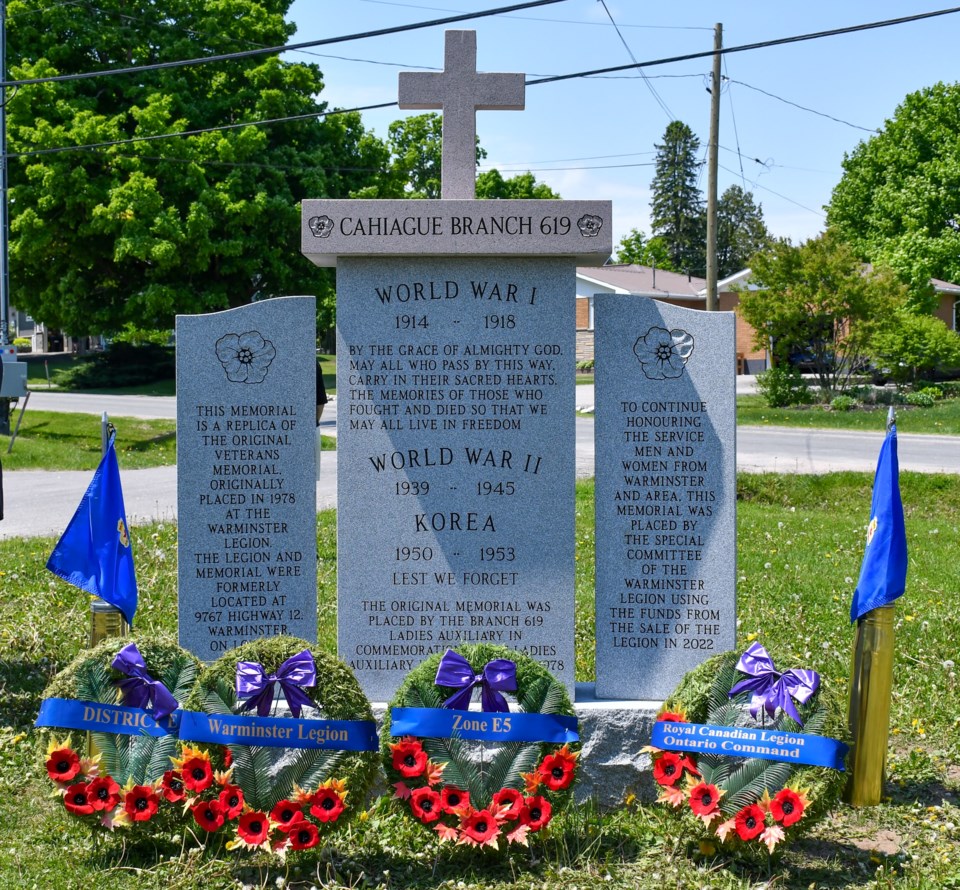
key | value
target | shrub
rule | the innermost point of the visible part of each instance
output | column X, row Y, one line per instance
column 935, row 391
column 23, row 344
column 135, row 336
column 586, row 365
column 920, row 399
column 121, row 365
column 842, row 403
column 783, row 385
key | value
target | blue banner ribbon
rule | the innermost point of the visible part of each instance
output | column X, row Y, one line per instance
column 69, row 713
column 737, row 741
column 279, row 732
column 484, row 726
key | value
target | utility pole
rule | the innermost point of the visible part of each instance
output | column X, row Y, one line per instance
column 712, row 148
column 4, row 217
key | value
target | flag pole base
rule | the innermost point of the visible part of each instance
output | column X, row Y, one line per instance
column 105, row 621
column 871, row 682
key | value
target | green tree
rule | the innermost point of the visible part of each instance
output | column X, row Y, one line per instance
column 677, row 205
column 819, row 298
column 635, row 247
column 491, row 184
column 898, row 202
column 416, row 146
column 140, row 231
column 914, row 346
column 741, row 231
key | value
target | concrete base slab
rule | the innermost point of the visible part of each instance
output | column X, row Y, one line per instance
column 612, row 734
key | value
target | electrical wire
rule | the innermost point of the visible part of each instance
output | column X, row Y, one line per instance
column 733, row 117
column 746, row 47
column 633, row 58
column 757, row 185
column 541, row 19
column 839, row 120
column 273, row 50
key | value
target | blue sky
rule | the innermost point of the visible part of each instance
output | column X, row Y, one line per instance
column 594, row 138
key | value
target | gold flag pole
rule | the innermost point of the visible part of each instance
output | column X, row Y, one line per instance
column 871, row 683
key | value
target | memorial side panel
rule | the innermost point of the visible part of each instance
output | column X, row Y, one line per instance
column 665, row 493
column 246, row 477
column 455, row 390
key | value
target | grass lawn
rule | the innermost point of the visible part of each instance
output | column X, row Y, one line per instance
column 943, row 417
column 800, row 543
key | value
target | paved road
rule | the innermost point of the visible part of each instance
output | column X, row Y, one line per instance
column 41, row 503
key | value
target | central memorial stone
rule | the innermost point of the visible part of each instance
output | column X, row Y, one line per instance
column 455, row 389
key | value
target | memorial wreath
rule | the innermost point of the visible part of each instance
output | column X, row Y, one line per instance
column 299, row 737
column 125, row 693
column 507, row 786
column 750, row 756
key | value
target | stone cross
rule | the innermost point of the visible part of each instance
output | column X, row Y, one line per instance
column 460, row 91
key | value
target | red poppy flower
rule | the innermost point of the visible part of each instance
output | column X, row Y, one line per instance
column 304, row 835
column 787, row 806
column 63, row 765
column 452, row 799
column 480, row 826
column 672, row 717
column 171, row 786
column 327, row 805
column 749, row 822
column 704, row 799
column 667, row 768
column 197, row 773
column 426, row 805
column 285, row 814
column 209, row 814
column 409, row 758
column 254, row 828
column 231, row 799
column 536, row 812
column 557, row 769
column 508, row 797
column 227, row 757
column 77, row 800
column 141, row 803
column 104, row 793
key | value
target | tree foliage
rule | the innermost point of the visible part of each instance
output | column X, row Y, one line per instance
column 819, row 298
column 914, row 346
column 741, row 231
column 635, row 247
column 898, row 202
column 677, row 205
column 491, row 184
column 140, row 231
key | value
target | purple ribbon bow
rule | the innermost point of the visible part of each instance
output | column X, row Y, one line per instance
column 499, row 674
column 140, row 689
column 255, row 688
column 771, row 689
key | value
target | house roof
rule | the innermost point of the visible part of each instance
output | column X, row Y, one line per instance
column 634, row 279
column 944, row 287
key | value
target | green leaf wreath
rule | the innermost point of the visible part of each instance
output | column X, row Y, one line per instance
column 284, row 787
column 475, row 793
column 744, row 801
column 119, row 782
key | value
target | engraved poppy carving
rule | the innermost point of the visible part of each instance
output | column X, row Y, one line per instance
column 321, row 226
column 589, row 225
column 246, row 358
column 663, row 354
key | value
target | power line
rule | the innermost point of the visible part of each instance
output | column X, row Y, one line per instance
column 650, row 86
column 273, row 50
column 804, row 107
column 540, row 19
column 197, row 132
column 757, row 185
column 763, row 44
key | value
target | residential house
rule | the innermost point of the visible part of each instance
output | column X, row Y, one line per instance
column 669, row 287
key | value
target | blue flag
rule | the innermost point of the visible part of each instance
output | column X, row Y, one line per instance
column 883, row 573
column 94, row 552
